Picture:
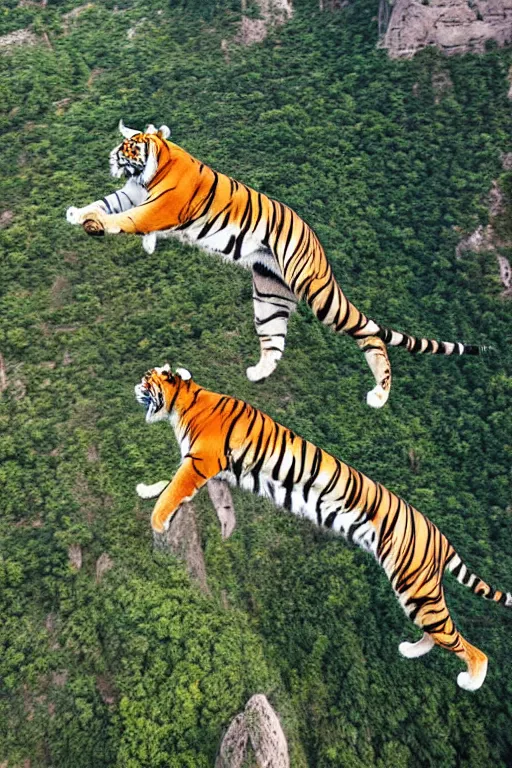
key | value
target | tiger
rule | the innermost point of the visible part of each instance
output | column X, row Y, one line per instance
column 170, row 193
column 225, row 438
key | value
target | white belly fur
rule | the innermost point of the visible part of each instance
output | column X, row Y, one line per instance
column 365, row 536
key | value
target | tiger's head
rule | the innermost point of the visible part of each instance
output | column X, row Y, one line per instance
column 137, row 156
column 158, row 390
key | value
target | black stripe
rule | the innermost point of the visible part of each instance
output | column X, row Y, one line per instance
column 264, row 271
column 324, row 311
column 259, row 214
column 233, row 424
column 280, row 225
column 329, row 520
column 341, row 322
column 282, row 451
column 289, row 236
column 280, row 313
column 161, row 194
column 303, row 452
column 246, row 223
column 466, row 577
column 229, row 247
column 288, row 484
column 237, row 465
column 257, row 467
column 351, row 501
column 209, row 224
column 128, row 197
column 207, row 205
column 386, row 335
column 270, row 224
column 315, row 469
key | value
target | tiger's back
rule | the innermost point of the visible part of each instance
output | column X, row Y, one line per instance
column 223, row 437
column 174, row 194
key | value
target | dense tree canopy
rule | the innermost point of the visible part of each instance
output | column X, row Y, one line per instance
column 138, row 668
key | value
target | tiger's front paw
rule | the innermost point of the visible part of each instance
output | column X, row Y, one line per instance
column 100, row 223
column 151, row 491
column 73, row 215
column 158, row 524
column 94, row 227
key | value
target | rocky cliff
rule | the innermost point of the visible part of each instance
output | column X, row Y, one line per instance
column 453, row 26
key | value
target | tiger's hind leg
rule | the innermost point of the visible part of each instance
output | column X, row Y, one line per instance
column 420, row 648
column 476, row 661
column 437, row 624
column 273, row 305
column 377, row 358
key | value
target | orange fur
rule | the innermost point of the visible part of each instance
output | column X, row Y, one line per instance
column 184, row 197
column 224, row 437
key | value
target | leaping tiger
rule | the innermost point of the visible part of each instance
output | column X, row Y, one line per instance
column 170, row 193
column 226, row 438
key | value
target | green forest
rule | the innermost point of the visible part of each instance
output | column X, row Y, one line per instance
column 137, row 667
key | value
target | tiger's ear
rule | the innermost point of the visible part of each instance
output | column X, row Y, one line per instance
column 183, row 373
column 165, row 370
column 164, row 132
column 127, row 132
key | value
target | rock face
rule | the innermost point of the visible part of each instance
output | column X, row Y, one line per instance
column 19, row 37
column 182, row 539
column 273, row 13
column 266, row 735
column 454, row 26
column 234, row 744
column 505, row 274
column 479, row 241
column 260, row 726
column 103, row 564
column 494, row 237
column 221, row 499
column 75, row 556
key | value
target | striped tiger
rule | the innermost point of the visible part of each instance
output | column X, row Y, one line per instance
column 220, row 436
column 170, row 193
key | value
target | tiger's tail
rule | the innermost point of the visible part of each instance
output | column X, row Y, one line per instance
column 332, row 307
column 419, row 345
column 364, row 328
column 455, row 565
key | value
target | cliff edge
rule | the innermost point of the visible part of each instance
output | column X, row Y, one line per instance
column 453, row 26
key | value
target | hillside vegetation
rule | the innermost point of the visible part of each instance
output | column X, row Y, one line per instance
column 138, row 668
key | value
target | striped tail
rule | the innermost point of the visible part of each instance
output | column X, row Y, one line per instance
column 332, row 308
column 455, row 565
column 399, row 339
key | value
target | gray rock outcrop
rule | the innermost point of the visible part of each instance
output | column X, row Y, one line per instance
column 221, row 499
column 494, row 237
column 182, row 539
column 453, row 26
column 257, row 727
